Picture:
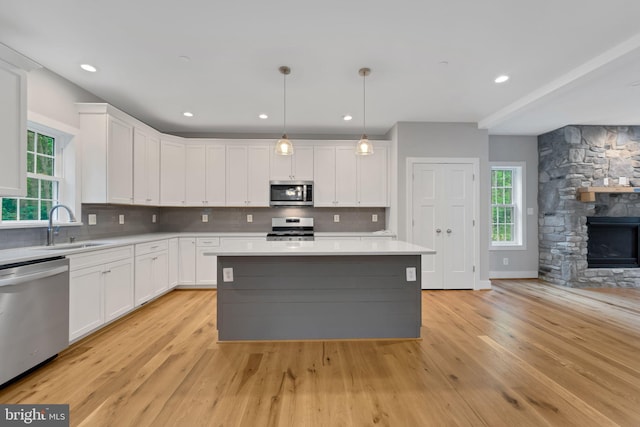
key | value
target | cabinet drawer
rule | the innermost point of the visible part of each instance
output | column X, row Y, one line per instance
column 149, row 247
column 100, row 257
column 207, row 241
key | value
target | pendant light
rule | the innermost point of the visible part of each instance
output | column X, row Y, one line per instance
column 364, row 146
column 284, row 146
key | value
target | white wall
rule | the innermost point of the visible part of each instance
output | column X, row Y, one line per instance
column 421, row 139
column 522, row 263
column 54, row 97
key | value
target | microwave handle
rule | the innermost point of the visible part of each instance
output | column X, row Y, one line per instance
column 304, row 193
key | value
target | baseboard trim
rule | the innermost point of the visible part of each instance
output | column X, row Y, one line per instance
column 526, row 274
column 484, row 285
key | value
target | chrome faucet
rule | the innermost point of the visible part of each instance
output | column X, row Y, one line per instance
column 50, row 232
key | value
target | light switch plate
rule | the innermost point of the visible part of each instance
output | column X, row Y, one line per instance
column 205, row 218
column 623, row 180
column 93, row 219
column 374, row 217
column 336, row 218
column 411, row 274
column 227, row 274
column 249, row 218
column 154, row 218
column 121, row 219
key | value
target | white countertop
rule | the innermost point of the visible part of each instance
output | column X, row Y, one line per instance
column 10, row 256
column 321, row 248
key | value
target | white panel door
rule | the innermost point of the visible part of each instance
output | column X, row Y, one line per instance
column 324, row 176
column 346, row 179
column 120, row 162
column 195, row 170
column 215, row 175
column 442, row 219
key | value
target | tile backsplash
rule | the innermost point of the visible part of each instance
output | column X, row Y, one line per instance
column 138, row 220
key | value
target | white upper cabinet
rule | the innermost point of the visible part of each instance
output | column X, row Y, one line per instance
column 146, row 167
column 247, row 172
column 205, row 175
column 298, row 167
column 373, row 177
column 346, row 192
column 107, row 155
column 172, row 172
column 13, row 130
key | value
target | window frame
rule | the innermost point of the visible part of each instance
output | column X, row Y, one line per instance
column 518, row 198
column 63, row 169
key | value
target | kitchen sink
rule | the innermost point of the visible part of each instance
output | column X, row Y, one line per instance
column 67, row 246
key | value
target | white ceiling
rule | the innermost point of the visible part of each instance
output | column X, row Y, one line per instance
column 570, row 61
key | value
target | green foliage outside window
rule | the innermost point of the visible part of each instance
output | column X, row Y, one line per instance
column 42, row 192
column 502, row 206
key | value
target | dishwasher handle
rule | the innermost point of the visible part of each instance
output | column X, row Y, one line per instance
column 18, row 280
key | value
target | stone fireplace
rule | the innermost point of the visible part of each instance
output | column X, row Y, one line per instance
column 581, row 156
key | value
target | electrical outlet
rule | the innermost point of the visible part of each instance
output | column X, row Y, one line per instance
column 605, row 182
column 93, row 219
column 120, row 219
column 411, row 274
column 505, row 261
column 336, row 218
column 227, row 274
column 154, row 218
column 249, row 218
column 374, row 217
column 623, row 180
column 205, row 218
column 529, row 211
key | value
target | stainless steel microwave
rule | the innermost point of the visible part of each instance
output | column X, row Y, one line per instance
column 291, row 193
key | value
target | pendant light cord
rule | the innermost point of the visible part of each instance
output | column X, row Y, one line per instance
column 364, row 104
column 284, row 121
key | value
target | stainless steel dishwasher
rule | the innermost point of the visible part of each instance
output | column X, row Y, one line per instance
column 34, row 314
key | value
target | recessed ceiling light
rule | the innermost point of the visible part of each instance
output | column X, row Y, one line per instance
column 263, row 116
column 635, row 84
column 187, row 114
column 347, row 117
column 501, row 79
column 89, row 68
column 185, row 58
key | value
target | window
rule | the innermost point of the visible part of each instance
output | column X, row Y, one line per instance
column 46, row 170
column 506, row 206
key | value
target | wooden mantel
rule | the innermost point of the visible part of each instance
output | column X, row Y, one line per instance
column 588, row 194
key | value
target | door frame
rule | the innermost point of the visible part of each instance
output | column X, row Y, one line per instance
column 475, row 162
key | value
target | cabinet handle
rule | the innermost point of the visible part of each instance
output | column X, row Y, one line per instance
column 438, row 230
column 154, row 258
column 106, row 272
column 208, row 254
column 448, row 231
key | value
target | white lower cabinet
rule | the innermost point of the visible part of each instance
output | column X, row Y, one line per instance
column 173, row 262
column 152, row 270
column 100, row 289
column 198, row 264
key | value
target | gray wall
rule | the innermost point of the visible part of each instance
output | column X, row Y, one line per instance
column 420, row 139
column 522, row 263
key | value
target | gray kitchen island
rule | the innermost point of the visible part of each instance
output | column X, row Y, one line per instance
column 342, row 289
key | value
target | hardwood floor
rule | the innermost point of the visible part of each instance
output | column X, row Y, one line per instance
column 523, row 354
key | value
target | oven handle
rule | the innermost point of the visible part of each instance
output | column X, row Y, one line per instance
column 18, row 280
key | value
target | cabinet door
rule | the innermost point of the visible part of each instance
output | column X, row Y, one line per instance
column 236, row 176
column 206, row 266
column 144, row 278
column 13, row 131
column 372, row 178
column 119, row 161
column 160, row 273
column 302, row 164
column 173, row 262
column 346, row 176
column 258, row 176
column 187, row 263
column 172, row 177
column 118, row 289
column 324, row 176
column 215, row 176
column 146, row 168
column 86, row 311
column 153, row 170
column 281, row 166
column 196, row 165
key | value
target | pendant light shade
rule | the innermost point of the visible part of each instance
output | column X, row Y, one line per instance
column 284, row 147
column 364, row 146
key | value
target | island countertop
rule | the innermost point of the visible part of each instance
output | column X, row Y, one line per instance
column 320, row 248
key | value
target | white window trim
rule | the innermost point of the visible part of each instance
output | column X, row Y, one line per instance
column 520, row 198
column 67, row 169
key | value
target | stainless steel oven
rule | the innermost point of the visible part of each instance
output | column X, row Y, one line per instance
column 291, row 193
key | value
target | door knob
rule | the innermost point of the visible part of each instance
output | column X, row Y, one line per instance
column 448, row 231
column 438, row 231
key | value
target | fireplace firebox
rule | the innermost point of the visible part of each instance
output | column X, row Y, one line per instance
column 613, row 242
